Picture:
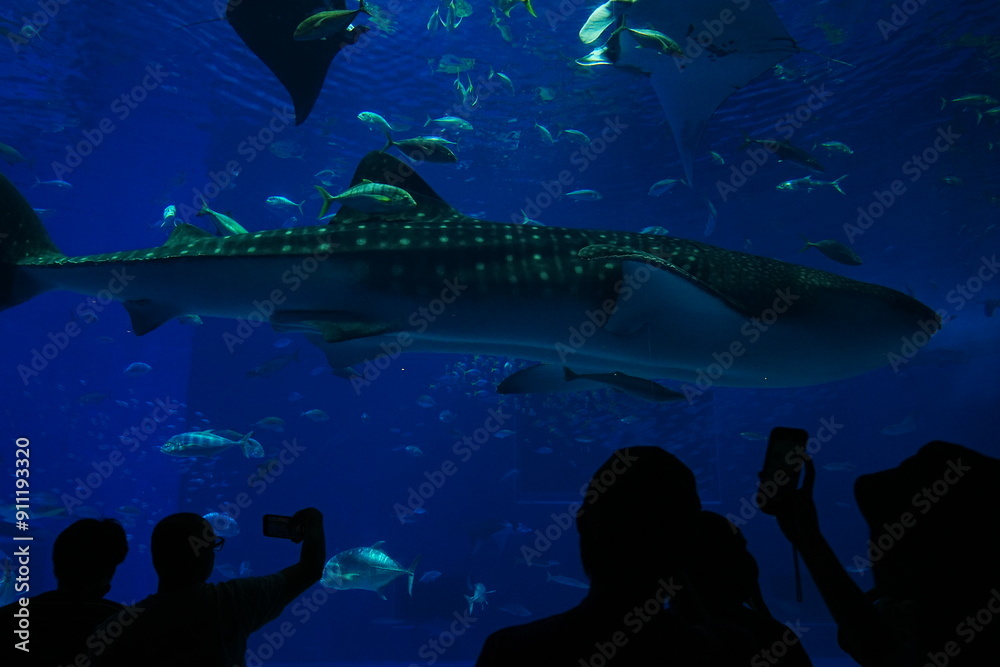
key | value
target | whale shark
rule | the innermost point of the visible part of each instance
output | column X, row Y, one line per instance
column 596, row 308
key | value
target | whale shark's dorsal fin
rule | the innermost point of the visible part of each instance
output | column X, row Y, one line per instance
column 379, row 167
column 185, row 234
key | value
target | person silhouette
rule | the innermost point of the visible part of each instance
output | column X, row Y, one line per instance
column 637, row 506
column 193, row 623
column 931, row 549
column 53, row 628
column 721, row 595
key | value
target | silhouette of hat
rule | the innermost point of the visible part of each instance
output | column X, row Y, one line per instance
column 933, row 512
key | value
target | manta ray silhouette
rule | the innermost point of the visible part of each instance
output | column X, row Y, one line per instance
column 267, row 28
column 726, row 45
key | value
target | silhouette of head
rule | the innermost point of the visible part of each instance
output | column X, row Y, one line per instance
column 933, row 517
column 717, row 561
column 183, row 548
column 636, row 505
column 87, row 553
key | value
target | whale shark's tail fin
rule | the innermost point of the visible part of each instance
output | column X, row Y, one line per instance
column 22, row 238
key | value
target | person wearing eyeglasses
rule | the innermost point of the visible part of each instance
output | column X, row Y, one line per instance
column 193, row 623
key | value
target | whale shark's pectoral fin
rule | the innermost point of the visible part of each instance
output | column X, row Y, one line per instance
column 334, row 326
column 550, row 379
column 147, row 315
column 626, row 255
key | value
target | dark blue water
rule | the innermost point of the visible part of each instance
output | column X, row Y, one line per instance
column 63, row 87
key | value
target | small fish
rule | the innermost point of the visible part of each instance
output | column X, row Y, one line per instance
column 283, row 203
column 328, row 24
column 413, row 451
column 223, row 524
column 136, row 369
column 423, row 149
column 655, row 230
column 429, row 576
column 60, row 185
column 426, row 401
column 507, row 5
column 368, row 197
column 584, row 195
column 326, row 176
column 210, row 443
column 506, row 79
column 954, row 181
column 478, row 596
column 655, row 41
column 525, row 220
column 515, row 610
column 566, row 581
column 544, row 133
column 577, row 136
column 287, row 149
column 505, row 433
column 169, row 216
column 365, row 568
column 315, row 415
column 785, row 151
column 273, row 365
column 752, row 435
column 447, row 416
column 717, row 158
column 663, row 187
column 835, row 250
column 808, row 183
column 453, row 122
column 276, row 424
column 908, row 425
column 452, row 64
column 837, row 147
column 376, row 121
column 974, row 100
column 224, row 225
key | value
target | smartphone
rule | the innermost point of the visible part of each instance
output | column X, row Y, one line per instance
column 284, row 527
column 786, row 454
